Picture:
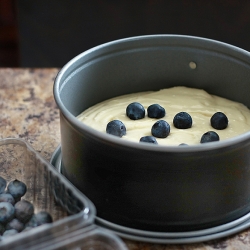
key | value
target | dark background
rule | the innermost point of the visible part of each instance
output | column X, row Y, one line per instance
column 48, row 33
column 9, row 47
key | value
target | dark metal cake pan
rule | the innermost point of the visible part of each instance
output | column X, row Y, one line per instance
column 148, row 187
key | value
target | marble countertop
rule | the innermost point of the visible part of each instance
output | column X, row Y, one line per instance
column 28, row 111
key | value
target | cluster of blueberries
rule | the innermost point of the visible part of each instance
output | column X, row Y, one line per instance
column 161, row 129
column 16, row 214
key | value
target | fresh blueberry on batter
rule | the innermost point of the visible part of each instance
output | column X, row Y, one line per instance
column 219, row 121
column 160, row 129
column 156, row 111
column 116, row 128
column 148, row 139
column 135, row 111
column 182, row 120
column 209, row 136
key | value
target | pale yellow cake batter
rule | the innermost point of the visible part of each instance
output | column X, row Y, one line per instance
column 198, row 103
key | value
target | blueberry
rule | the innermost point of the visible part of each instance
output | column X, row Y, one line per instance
column 219, row 121
column 17, row 189
column 7, row 212
column 148, row 139
column 135, row 111
column 116, row 128
column 7, row 198
column 43, row 217
column 24, row 210
column 32, row 222
column 210, row 136
column 10, row 232
column 15, row 224
column 160, row 129
column 182, row 120
column 39, row 219
column 156, row 111
column 2, row 184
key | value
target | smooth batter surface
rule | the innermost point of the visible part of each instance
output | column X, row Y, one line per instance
column 198, row 103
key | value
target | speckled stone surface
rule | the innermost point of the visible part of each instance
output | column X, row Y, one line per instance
column 28, row 111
